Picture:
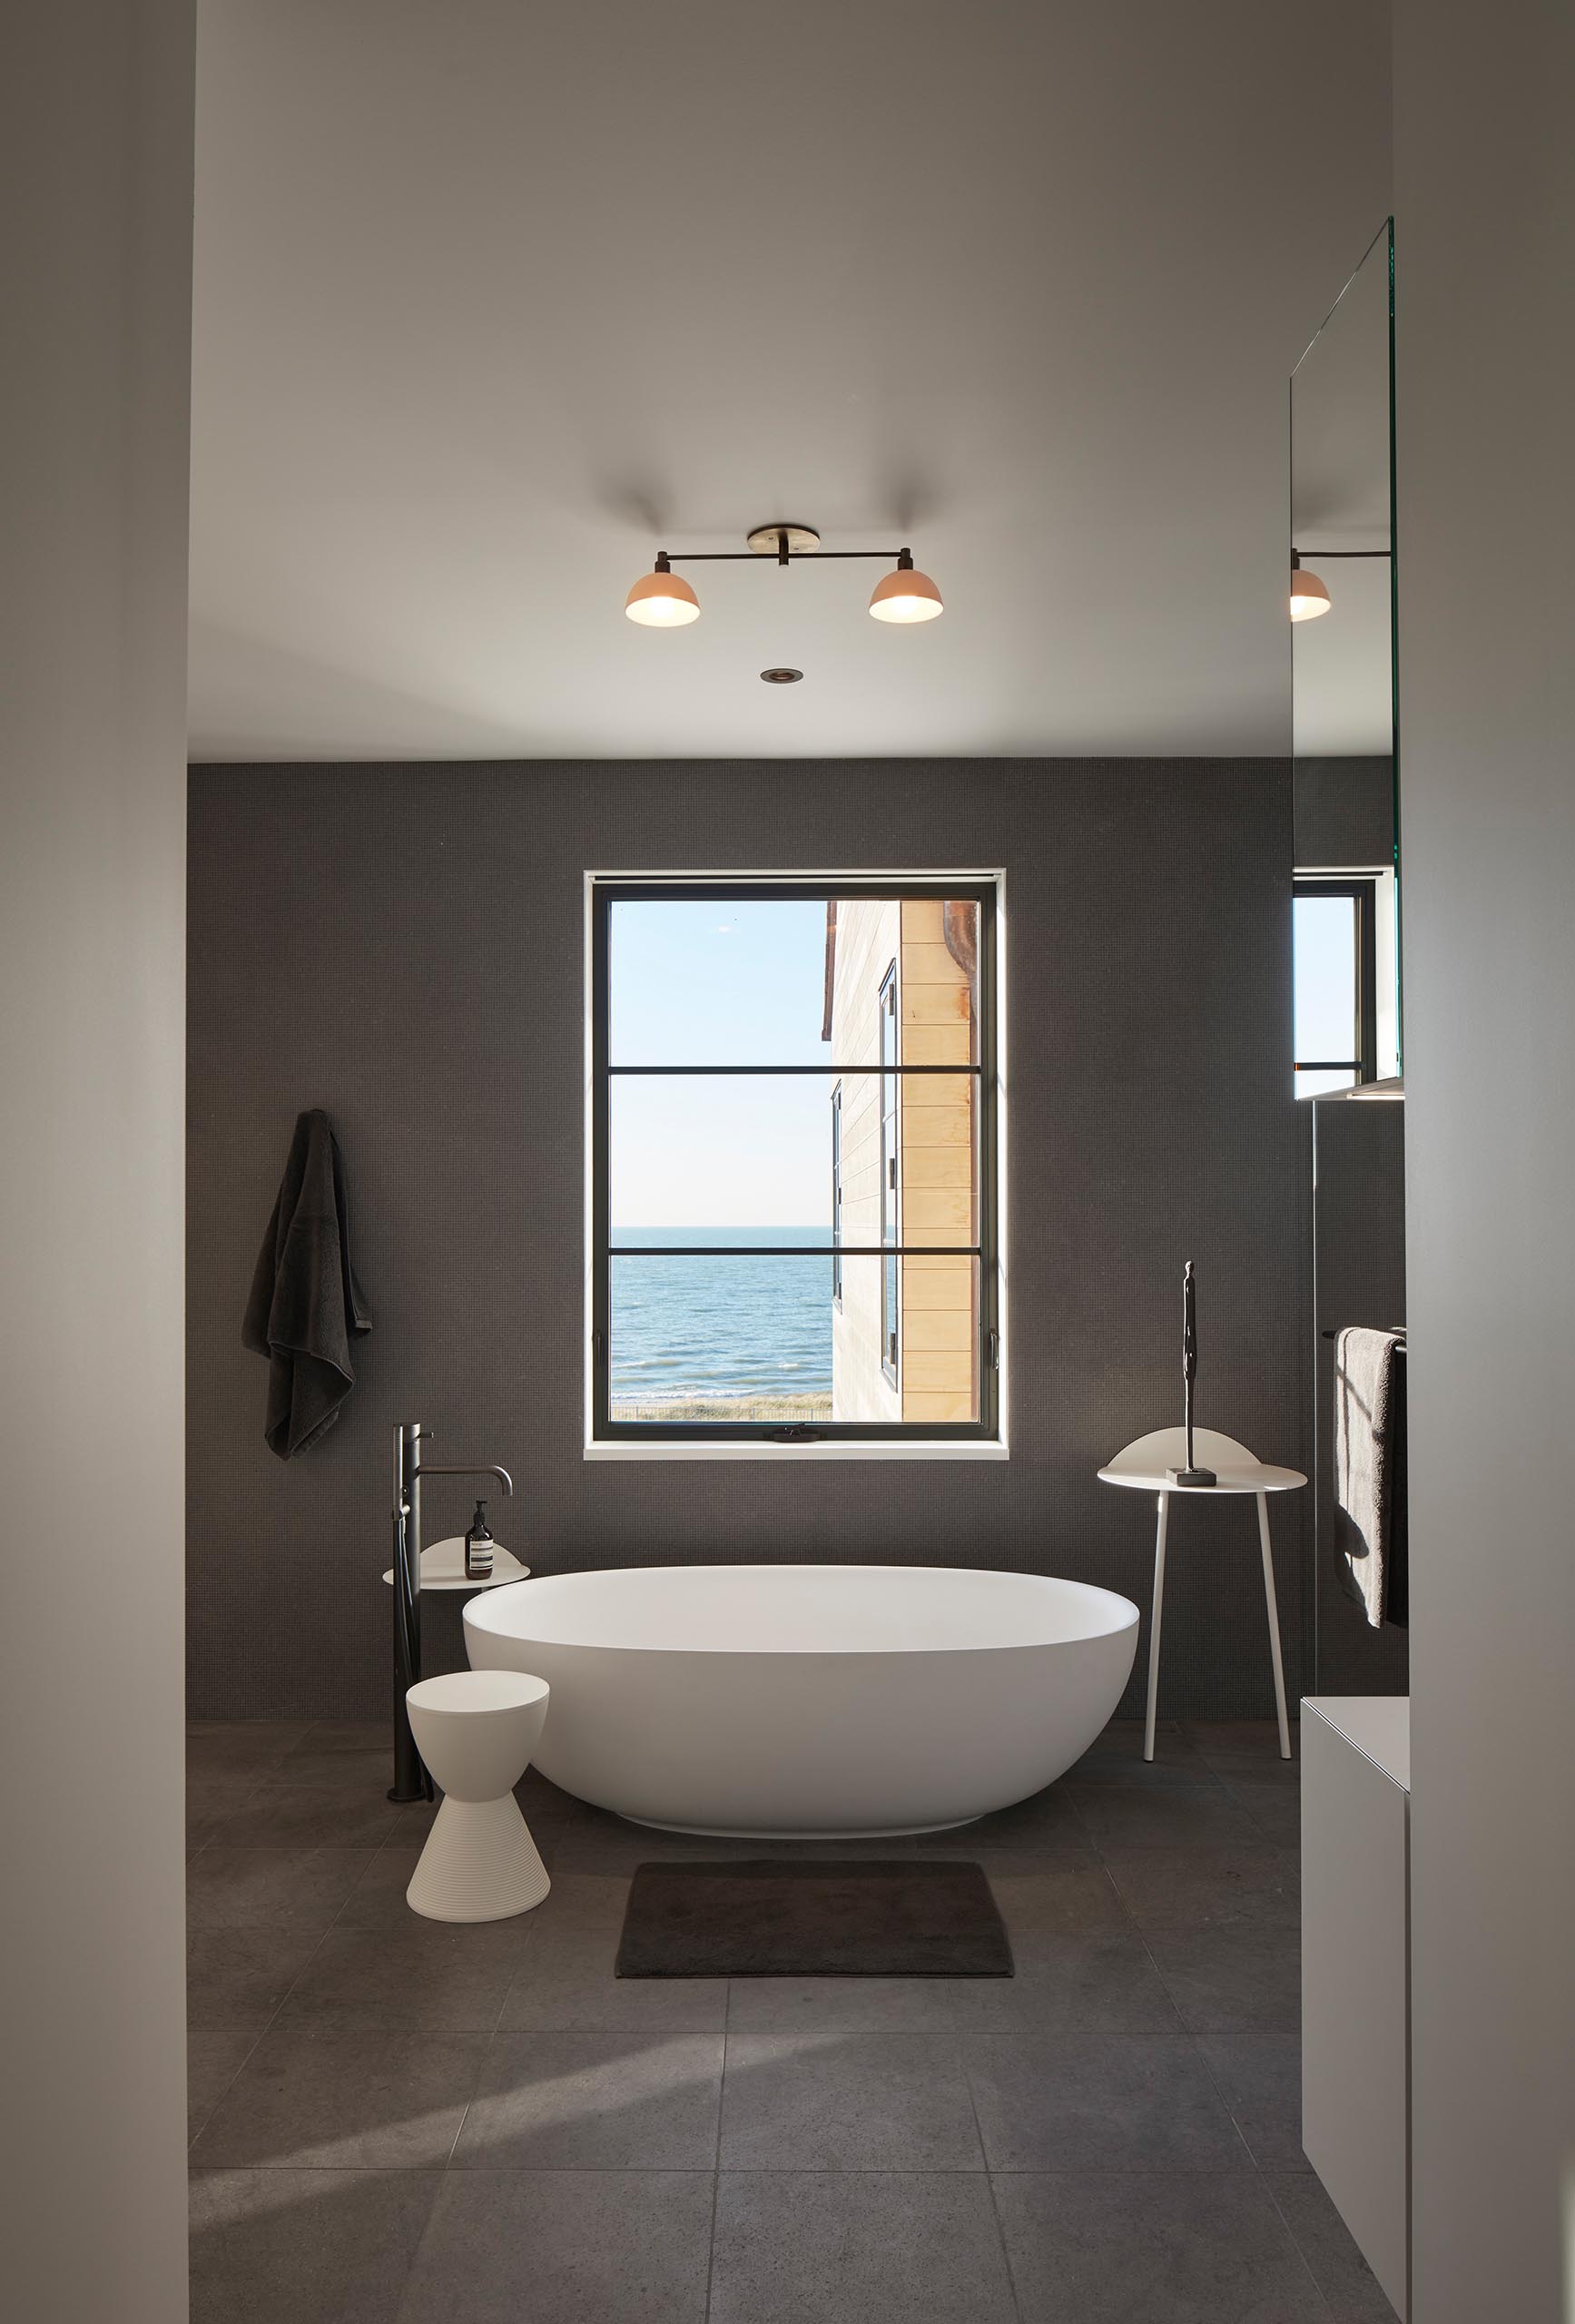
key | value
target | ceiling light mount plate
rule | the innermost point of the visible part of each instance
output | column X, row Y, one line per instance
column 766, row 540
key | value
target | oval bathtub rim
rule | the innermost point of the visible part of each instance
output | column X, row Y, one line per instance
column 479, row 1614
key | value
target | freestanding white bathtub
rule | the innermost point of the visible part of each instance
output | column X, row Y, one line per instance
column 812, row 1702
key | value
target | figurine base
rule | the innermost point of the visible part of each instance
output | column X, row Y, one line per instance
column 1192, row 1476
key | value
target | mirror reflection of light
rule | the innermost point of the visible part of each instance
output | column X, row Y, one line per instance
column 1309, row 597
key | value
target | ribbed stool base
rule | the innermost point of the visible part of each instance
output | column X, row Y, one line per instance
column 480, row 1864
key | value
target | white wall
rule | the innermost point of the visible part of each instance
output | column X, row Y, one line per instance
column 95, row 157
column 1485, row 255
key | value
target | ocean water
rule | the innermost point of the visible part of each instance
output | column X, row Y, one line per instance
column 707, row 1326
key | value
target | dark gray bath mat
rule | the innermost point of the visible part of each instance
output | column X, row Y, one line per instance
column 792, row 1918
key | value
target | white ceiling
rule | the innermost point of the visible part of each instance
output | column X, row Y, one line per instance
column 494, row 298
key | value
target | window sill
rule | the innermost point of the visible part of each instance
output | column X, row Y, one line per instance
column 917, row 1448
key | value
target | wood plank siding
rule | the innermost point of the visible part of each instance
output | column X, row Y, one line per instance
column 937, row 1164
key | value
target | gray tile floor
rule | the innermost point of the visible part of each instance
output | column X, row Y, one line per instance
column 398, row 2122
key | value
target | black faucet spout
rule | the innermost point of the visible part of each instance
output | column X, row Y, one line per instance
column 478, row 1469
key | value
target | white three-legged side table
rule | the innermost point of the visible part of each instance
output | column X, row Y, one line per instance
column 1141, row 1466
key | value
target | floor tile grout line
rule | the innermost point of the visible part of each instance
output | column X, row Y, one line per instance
column 1179, row 2033
column 374, row 1856
column 716, row 2162
column 224, row 1821
column 1138, row 2171
column 1143, row 1930
column 1076, row 1814
column 527, row 1947
column 482, row 2054
column 1327, row 2303
column 1268, row 1837
column 262, row 2030
column 241, row 2065
column 437, row 2178
column 497, row 2026
column 1143, row 1934
column 1012, row 2281
column 1219, row 2092
column 295, row 1981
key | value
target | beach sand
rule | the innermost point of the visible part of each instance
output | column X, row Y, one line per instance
column 714, row 1408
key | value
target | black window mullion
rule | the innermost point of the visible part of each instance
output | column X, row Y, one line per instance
column 837, row 1194
column 601, row 1220
column 762, row 1072
column 1367, row 978
column 795, row 1250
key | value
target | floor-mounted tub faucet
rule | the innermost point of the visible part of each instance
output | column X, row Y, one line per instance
column 411, row 1781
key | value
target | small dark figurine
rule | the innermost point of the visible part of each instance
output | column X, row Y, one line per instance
column 1191, row 1474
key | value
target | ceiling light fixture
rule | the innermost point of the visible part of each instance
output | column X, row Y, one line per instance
column 782, row 678
column 906, row 595
column 1309, row 597
column 663, row 599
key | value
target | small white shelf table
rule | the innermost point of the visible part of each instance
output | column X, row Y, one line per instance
column 443, row 1568
column 1141, row 1467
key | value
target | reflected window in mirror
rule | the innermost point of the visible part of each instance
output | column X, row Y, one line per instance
column 1343, row 725
column 1335, row 1012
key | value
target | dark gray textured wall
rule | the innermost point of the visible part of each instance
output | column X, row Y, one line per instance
column 403, row 945
column 1345, row 811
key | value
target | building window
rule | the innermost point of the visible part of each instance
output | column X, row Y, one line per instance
column 837, row 1194
column 1335, row 1015
column 891, row 1182
column 740, row 1288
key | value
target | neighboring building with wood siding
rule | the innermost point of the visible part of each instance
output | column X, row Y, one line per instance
column 900, row 981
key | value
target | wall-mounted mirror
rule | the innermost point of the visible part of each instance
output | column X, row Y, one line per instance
column 1347, row 1026
column 1347, row 835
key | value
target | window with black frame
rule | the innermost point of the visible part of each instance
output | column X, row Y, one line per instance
column 793, row 1159
column 837, row 1194
column 890, row 1181
column 1334, row 984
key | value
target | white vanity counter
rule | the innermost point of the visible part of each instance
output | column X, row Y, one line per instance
column 1356, row 1972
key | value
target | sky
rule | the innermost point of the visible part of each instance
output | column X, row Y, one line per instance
column 1323, row 985
column 728, row 984
column 719, row 983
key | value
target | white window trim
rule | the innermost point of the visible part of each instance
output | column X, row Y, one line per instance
column 996, row 1448
column 1385, row 961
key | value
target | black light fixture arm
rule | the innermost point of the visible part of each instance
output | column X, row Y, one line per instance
column 668, row 557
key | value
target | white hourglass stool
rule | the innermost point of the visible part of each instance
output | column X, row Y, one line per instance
column 476, row 1731
column 1141, row 1466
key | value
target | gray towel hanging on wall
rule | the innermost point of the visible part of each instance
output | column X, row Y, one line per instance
column 306, row 1306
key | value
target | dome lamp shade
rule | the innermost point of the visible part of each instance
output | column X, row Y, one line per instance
column 662, row 599
column 906, row 595
column 1309, row 597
